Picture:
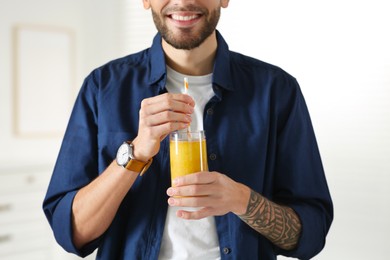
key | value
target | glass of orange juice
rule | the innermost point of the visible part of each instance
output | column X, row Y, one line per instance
column 188, row 153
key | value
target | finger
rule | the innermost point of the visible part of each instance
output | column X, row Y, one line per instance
column 174, row 102
column 167, row 96
column 164, row 129
column 202, row 201
column 195, row 178
column 199, row 214
column 189, row 191
column 166, row 117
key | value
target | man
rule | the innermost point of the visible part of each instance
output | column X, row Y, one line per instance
column 265, row 194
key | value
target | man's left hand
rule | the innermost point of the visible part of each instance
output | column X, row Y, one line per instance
column 215, row 193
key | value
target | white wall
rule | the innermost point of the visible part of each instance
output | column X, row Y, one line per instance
column 96, row 28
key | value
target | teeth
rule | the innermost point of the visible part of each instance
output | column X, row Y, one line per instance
column 183, row 18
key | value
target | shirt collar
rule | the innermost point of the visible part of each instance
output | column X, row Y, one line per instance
column 157, row 62
column 221, row 72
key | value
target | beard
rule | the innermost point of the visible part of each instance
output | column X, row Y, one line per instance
column 188, row 39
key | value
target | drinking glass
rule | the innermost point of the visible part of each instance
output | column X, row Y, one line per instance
column 188, row 153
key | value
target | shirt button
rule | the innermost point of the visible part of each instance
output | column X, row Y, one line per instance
column 213, row 156
column 210, row 111
column 226, row 250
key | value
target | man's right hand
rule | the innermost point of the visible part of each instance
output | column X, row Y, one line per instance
column 159, row 116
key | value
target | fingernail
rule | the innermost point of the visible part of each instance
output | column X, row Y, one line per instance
column 170, row 192
column 171, row 201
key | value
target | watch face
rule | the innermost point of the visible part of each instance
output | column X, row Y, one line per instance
column 122, row 156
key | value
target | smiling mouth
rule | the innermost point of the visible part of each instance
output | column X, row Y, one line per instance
column 177, row 17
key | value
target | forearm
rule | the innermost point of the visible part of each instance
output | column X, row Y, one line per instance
column 280, row 224
column 95, row 205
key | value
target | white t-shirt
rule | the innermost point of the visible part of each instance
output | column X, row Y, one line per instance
column 190, row 239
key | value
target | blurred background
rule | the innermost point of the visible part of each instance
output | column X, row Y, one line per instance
column 338, row 51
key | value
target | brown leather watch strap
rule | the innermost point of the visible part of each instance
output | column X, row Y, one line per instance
column 135, row 166
column 138, row 166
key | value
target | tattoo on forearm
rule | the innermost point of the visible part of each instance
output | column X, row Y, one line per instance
column 279, row 224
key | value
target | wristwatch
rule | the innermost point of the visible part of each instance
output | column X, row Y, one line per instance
column 125, row 158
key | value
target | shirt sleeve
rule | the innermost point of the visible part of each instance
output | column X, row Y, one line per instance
column 299, row 175
column 76, row 166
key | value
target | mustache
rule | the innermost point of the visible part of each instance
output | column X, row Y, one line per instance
column 187, row 8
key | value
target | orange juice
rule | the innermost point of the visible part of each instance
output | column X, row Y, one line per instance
column 187, row 156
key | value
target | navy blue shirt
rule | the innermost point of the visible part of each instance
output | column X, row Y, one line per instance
column 259, row 133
